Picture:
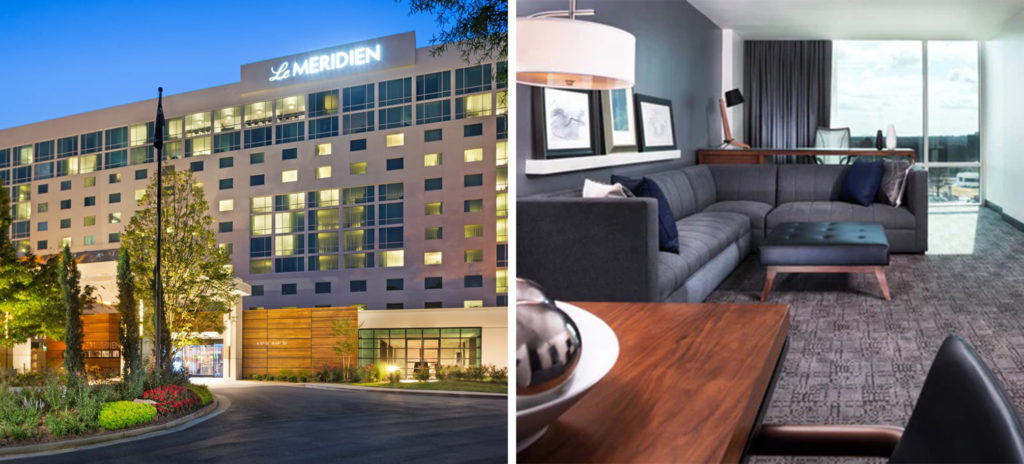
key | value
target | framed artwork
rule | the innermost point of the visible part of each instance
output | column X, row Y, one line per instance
column 655, row 123
column 619, row 121
column 565, row 123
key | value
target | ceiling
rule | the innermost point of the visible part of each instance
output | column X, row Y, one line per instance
column 860, row 19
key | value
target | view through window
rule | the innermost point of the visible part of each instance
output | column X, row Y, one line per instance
column 877, row 83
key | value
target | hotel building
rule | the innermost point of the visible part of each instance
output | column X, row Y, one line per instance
column 371, row 174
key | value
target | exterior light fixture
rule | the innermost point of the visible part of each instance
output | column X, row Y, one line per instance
column 557, row 50
column 392, row 368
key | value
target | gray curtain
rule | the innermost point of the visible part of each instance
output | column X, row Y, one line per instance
column 788, row 86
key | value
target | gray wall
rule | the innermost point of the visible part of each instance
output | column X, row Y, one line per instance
column 678, row 57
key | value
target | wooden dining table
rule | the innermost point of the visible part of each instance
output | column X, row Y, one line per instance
column 690, row 385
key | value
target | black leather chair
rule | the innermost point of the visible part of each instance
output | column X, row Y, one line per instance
column 962, row 415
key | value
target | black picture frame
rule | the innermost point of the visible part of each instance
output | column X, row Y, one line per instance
column 645, row 142
column 542, row 148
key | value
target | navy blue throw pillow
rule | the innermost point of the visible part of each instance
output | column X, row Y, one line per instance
column 861, row 182
column 668, row 235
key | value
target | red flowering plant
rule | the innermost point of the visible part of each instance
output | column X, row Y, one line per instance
column 172, row 398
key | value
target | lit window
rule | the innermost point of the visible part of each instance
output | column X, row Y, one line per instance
column 286, row 223
column 432, row 209
column 260, row 266
column 357, row 168
column 392, row 258
column 501, row 153
column 473, row 303
column 502, row 203
column 261, row 224
column 433, row 233
column 226, row 205
column 473, row 230
column 472, row 106
column 259, row 113
column 139, row 134
column 501, row 229
column 432, row 258
column 227, row 119
column 65, row 242
column 114, row 218
column 473, row 155
column 261, row 204
column 473, row 206
column 323, row 172
column 89, row 240
column 501, row 179
column 89, row 221
column 327, row 197
column 199, row 146
column 395, row 140
column 432, row 159
column 474, row 256
column 291, row 108
column 173, row 128
column 357, row 260
column 290, row 175
column 501, row 98
column 197, row 124
column 501, row 280
column 323, row 149
column 140, row 194
column 90, row 181
column 287, row 245
column 355, row 240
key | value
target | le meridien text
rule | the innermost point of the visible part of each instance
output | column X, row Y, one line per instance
column 319, row 63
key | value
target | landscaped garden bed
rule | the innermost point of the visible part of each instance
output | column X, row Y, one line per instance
column 489, row 379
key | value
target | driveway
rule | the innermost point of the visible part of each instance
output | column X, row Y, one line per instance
column 278, row 423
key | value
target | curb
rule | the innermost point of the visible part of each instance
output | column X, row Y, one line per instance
column 181, row 423
column 333, row 386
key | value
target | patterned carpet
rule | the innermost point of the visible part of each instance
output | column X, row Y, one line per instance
column 854, row 359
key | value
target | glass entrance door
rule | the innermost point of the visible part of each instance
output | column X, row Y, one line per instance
column 203, row 360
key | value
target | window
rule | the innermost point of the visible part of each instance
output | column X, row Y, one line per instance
column 391, row 213
column 89, row 181
column 226, row 184
column 43, row 207
column 290, row 176
column 395, row 164
column 473, row 281
column 501, row 281
column 323, row 172
column 114, row 178
column 92, row 142
column 391, row 237
column 293, row 132
column 224, row 227
column 433, row 233
column 287, row 245
column 399, row 116
column 502, row 255
column 261, row 204
column 323, row 127
column 473, row 155
column 197, row 124
column 65, row 204
column 44, row 151
column 259, row 137
column 501, row 178
column 392, row 258
column 501, row 229
column 117, row 138
column 390, row 192
column 257, row 290
column 473, row 230
column 290, row 108
column 42, row 226
column 227, row 142
column 323, row 149
column 394, row 285
column 65, row 242
column 357, row 168
column 326, row 242
column 501, row 201
column 473, row 206
column 501, row 127
column 41, row 245
column 357, row 98
column 227, row 119
column 140, row 174
column 327, row 197
column 114, row 237
column 394, row 140
column 226, row 162
column 432, row 258
column 356, row 286
column 286, row 223
column 501, row 153
column 432, row 283
column 43, row 188
column 432, row 209
column 67, row 147
column 357, row 145
column 65, row 223
column 199, row 146
column 432, row 135
column 259, row 247
column 395, row 92
column 258, row 113
column 394, row 306
column 472, row 106
column 431, row 112
column 289, row 153
column 114, row 198
column 89, row 240
column 174, row 128
column 140, row 194
column 114, row 218
column 355, row 195
column 432, row 159
column 433, row 304
column 323, row 104
column 322, row 287
column 474, row 256
column 473, row 180
column 289, row 289
column 357, row 260
column 473, row 79
column 115, row 159
column 226, row 205
column 432, row 184
column 355, row 123
column 89, row 201
column 255, row 180
column 260, row 266
column 501, row 102
column 472, row 130
column 256, row 158
column 196, row 166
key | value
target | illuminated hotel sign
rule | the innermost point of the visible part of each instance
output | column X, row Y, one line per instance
column 317, row 63
column 366, row 56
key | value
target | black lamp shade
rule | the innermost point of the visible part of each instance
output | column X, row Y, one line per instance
column 733, row 98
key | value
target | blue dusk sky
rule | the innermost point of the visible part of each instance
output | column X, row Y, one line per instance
column 67, row 57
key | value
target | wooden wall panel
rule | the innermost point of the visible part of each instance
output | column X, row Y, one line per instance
column 99, row 333
column 294, row 338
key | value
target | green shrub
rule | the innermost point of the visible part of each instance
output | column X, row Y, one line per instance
column 121, row 414
column 268, row 377
column 395, row 377
column 283, row 374
column 202, row 392
column 255, row 377
column 422, row 374
column 497, row 375
column 63, row 423
column 475, row 373
column 293, row 378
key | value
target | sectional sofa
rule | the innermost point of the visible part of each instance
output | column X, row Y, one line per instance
column 606, row 249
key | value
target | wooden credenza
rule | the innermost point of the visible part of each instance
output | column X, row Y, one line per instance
column 764, row 155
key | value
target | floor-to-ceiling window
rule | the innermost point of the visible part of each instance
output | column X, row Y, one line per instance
column 928, row 90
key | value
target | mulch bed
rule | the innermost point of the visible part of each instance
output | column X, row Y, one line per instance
column 42, row 434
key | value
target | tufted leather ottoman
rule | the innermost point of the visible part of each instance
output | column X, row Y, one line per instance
column 830, row 247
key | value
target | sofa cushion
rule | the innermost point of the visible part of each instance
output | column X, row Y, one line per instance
column 861, row 182
column 702, row 236
column 750, row 182
column 836, row 211
column 703, row 184
column 809, row 182
column 755, row 210
column 668, row 238
column 678, row 192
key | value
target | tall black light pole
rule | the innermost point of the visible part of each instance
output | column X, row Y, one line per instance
column 158, row 288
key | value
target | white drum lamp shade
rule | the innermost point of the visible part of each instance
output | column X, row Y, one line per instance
column 574, row 54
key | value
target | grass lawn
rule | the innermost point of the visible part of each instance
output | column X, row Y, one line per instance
column 457, row 385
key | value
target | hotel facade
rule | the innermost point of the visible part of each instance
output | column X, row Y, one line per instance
column 371, row 174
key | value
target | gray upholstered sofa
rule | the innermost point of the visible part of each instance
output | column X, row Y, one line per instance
column 606, row 249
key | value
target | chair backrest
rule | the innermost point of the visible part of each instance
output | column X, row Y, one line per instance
column 962, row 414
column 838, row 137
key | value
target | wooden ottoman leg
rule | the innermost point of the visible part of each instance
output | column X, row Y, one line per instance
column 880, row 274
column 768, row 280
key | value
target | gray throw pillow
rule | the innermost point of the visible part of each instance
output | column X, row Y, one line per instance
column 890, row 190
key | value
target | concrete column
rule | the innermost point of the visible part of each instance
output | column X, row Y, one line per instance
column 233, row 341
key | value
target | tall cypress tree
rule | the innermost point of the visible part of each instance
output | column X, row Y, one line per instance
column 131, row 350
column 74, row 361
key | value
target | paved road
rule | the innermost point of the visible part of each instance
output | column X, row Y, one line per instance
column 271, row 423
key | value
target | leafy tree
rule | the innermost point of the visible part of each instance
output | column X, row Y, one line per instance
column 348, row 347
column 76, row 301
column 477, row 28
column 196, row 275
column 128, row 330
